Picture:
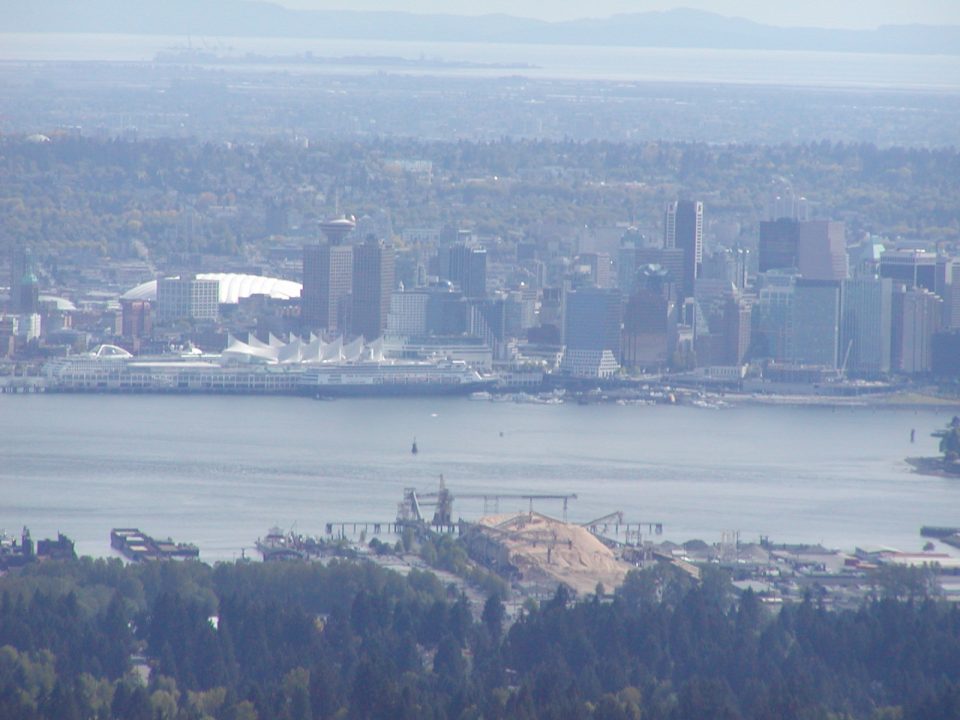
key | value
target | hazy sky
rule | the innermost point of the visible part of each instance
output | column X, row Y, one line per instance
column 819, row 13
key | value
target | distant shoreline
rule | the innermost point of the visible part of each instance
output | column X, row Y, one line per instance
column 819, row 70
column 188, row 56
column 886, row 401
column 897, row 400
column 672, row 29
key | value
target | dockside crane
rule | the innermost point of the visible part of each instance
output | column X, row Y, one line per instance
column 601, row 525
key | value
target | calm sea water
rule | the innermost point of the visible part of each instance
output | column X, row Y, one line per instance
column 219, row 471
column 820, row 69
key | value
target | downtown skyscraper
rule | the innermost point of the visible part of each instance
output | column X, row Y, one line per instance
column 328, row 280
column 373, row 283
column 683, row 229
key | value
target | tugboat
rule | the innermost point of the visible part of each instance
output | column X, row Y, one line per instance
column 280, row 546
column 413, row 448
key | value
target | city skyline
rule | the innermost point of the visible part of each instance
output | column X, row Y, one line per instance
column 604, row 369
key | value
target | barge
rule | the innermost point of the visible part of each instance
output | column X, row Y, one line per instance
column 137, row 546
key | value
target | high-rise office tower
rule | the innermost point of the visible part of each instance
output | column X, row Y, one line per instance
column 865, row 325
column 446, row 311
column 649, row 328
column 521, row 311
column 822, row 250
column 591, row 331
column 467, row 267
column 816, row 322
column 721, row 324
column 408, row 312
column 327, row 283
column 916, row 319
column 486, row 319
column 28, row 295
column 592, row 319
column 863, row 258
column 778, row 248
column 816, row 248
column 136, row 318
column 373, row 283
column 736, row 331
column 328, row 279
column 187, row 298
column 671, row 260
column 21, row 266
column 947, row 268
column 729, row 264
column 683, row 229
column 772, row 317
column 551, row 308
column 912, row 268
column 945, row 361
column 630, row 243
column 950, row 295
column 599, row 267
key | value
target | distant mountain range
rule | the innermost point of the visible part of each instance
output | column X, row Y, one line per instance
column 680, row 28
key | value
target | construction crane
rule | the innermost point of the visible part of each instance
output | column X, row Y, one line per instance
column 842, row 370
column 442, row 500
column 605, row 520
column 600, row 526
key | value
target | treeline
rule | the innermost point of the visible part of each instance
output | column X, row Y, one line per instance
column 121, row 198
column 351, row 640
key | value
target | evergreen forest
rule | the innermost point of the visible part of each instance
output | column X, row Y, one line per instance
column 295, row 641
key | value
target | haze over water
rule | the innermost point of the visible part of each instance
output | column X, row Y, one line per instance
column 577, row 62
column 219, row 471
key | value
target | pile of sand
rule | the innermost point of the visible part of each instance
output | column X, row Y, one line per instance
column 543, row 548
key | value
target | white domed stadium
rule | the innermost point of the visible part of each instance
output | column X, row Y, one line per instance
column 233, row 288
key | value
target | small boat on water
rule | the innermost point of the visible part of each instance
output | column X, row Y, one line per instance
column 278, row 545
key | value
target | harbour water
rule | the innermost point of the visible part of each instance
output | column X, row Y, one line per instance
column 940, row 73
column 218, row 470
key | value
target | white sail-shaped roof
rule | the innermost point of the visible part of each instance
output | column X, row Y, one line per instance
column 376, row 350
column 246, row 352
column 298, row 351
column 292, row 352
column 254, row 341
column 333, row 351
column 313, row 352
column 353, row 350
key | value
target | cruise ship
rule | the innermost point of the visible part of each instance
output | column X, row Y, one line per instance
column 393, row 377
column 113, row 369
column 313, row 368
